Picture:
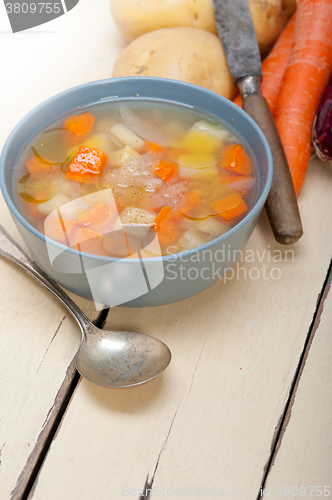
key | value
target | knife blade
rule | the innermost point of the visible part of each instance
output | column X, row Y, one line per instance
column 238, row 38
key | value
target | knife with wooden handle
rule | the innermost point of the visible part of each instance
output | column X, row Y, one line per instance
column 238, row 38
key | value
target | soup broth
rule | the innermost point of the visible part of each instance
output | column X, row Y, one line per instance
column 115, row 179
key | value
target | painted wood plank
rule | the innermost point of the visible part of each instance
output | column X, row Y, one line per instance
column 302, row 463
column 38, row 339
column 209, row 420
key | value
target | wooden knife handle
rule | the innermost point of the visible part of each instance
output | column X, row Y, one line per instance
column 281, row 204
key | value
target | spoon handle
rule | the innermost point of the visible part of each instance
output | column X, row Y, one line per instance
column 13, row 252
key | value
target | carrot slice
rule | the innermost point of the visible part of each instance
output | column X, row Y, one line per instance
column 307, row 74
column 163, row 212
column 234, row 213
column 79, row 124
column 165, row 170
column 97, row 214
column 274, row 66
column 94, row 245
column 230, row 207
column 190, row 205
column 36, row 167
column 168, row 231
column 236, row 160
column 58, row 229
column 87, row 163
column 33, row 210
column 153, row 147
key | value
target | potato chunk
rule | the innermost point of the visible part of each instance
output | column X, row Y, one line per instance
column 52, row 204
column 126, row 137
column 132, row 215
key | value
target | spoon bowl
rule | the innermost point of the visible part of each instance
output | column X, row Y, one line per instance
column 106, row 358
column 121, row 359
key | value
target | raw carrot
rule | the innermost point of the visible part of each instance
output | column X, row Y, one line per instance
column 87, row 163
column 165, row 170
column 163, row 212
column 306, row 76
column 235, row 159
column 274, row 66
column 79, row 124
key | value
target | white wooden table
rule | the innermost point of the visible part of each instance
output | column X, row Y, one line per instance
column 246, row 402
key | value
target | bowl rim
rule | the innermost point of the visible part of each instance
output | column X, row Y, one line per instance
column 186, row 253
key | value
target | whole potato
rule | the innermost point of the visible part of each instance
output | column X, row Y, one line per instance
column 136, row 17
column 187, row 54
column 268, row 22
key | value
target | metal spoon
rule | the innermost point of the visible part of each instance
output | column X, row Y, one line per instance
column 109, row 359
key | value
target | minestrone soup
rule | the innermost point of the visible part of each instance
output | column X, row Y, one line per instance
column 104, row 178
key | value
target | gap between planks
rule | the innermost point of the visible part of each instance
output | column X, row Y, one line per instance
column 286, row 414
column 27, row 478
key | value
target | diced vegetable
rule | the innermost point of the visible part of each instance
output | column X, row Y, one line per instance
column 240, row 183
column 208, row 173
column 162, row 214
column 97, row 214
column 165, row 170
column 230, row 207
column 118, row 158
column 57, row 201
column 126, row 137
column 221, row 134
column 189, row 204
column 197, row 149
column 37, row 189
column 79, row 124
column 94, row 141
column 87, row 163
column 235, row 159
column 192, row 239
column 133, row 215
column 153, row 133
column 36, row 167
column 92, row 244
column 212, row 227
column 59, row 229
column 153, row 148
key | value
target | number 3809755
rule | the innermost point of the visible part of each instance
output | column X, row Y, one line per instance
column 33, row 8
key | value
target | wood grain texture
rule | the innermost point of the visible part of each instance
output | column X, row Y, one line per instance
column 302, row 460
column 209, row 421
column 38, row 340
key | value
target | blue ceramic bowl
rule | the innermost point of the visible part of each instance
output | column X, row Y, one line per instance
column 124, row 282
